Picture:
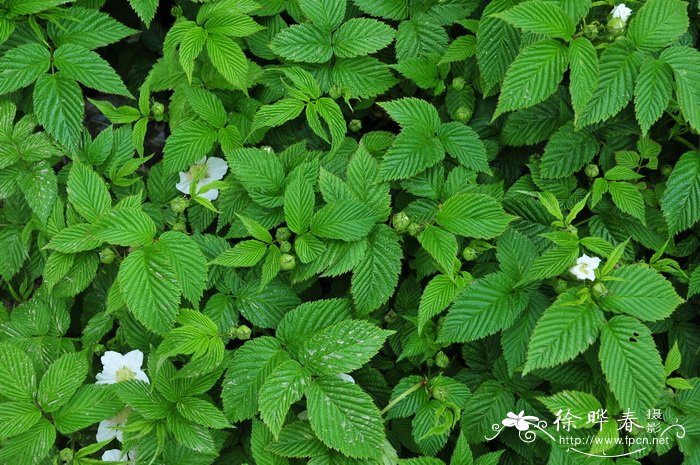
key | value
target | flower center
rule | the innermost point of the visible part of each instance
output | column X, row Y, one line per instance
column 125, row 374
column 199, row 172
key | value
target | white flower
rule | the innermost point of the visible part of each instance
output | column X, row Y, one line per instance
column 622, row 12
column 520, row 421
column 585, row 267
column 115, row 455
column 205, row 171
column 117, row 367
column 112, row 428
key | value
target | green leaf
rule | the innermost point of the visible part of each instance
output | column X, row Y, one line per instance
column 497, row 44
column 88, row 28
column 303, row 42
column 460, row 49
column 87, row 192
column 228, row 59
column 297, row 439
column 441, row 245
column 375, row 277
column 567, row 151
column 540, row 17
column 61, row 380
column 577, row 402
column 149, row 285
column 251, row 365
column 487, row 306
column 326, row 14
column 17, row 376
column 59, row 107
column 619, row 64
column 680, row 201
column 628, row 199
column 628, row 352
column 31, row 446
column 207, row 106
column 413, row 151
column 40, row 189
column 126, row 226
column 276, row 114
column 438, row 294
column 361, row 36
column 308, row 247
column 473, row 215
column 283, row 387
column 412, row 112
column 309, row 318
column 243, row 254
column 298, row 204
column 202, row 413
column 464, row 144
column 346, row 220
column 584, row 72
column 685, row 62
column 76, row 238
column 343, row 416
column 189, row 142
column 658, row 23
column 546, row 59
column 652, row 92
column 362, row 77
column 342, row 347
column 420, row 37
column 640, row 292
column 567, row 328
column 17, row 417
column 188, row 261
column 87, row 67
column 22, row 65
column 145, row 9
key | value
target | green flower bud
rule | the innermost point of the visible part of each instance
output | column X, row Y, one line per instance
column 442, row 360
column 414, row 229
column 98, row 349
column 560, row 286
column 66, row 455
column 107, row 255
column 592, row 170
column 179, row 226
column 469, row 254
column 458, row 83
column 267, row 148
column 285, row 246
column 283, row 234
column 666, row 170
column 287, row 262
column 599, row 289
column 463, row 114
column 243, row 333
column 179, row 204
column 615, row 25
column 642, row 186
column 440, row 393
column 334, row 92
column 355, row 125
column 157, row 109
column 591, row 31
column 430, row 362
column 400, row 221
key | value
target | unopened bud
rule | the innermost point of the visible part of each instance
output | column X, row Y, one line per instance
column 283, row 234
column 440, row 393
column 287, row 262
column 66, row 455
column 592, row 170
column 469, row 254
column 463, row 114
column 442, row 360
column 158, row 109
column 458, row 83
column 355, row 125
column 285, row 246
column 414, row 229
column 400, row 221
column 98, row 349
column 599, row 289
column 107, row 255
column 179, row 226
column 335, row 92
column 243, row 333
column 179, row 204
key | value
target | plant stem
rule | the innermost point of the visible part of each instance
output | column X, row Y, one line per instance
column 403, row 395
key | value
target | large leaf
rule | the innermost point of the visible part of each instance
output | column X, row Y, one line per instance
column 547, row 59
column 87, row 192
column 473, row 215
column 497, row 44
column 346, row 220
column 583, row 77
column 540, row 17
column 640, row 292
column 658, row 23
column 342, row 347
column 59, row 107
column 303, row 42
column 361, row 36
column 228, row 59
column 61, row 380
column 628, row 352
column 375, row 277
column 567, row 151
column 566, row 329
column 463, row 143
column 343, row 416
column 126, row 226
column 17, row 376
column 149, row 285
column 685, row 62
column 485, row 307
column 652, row 92
column 283, row 387
column 22, row 65
column 87, row 67
column 681, row 199
column 413, row 151
column 40, row 189
column 188, row 143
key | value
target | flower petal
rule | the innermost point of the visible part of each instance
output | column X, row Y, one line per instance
column 113, row 455
column 217, row 168
column 112, row 360
column 141, row 376
column 509, row 422
column 522, row 425
column 134, row 360
column 105, row 431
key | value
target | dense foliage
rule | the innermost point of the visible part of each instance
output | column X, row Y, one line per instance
column 362, row 232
